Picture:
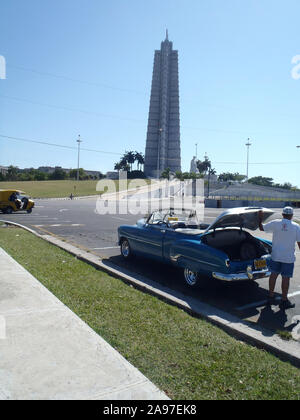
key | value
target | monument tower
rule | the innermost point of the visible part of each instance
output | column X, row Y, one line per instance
column 163, row 134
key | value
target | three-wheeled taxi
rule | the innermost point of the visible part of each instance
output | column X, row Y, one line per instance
column 15, row 200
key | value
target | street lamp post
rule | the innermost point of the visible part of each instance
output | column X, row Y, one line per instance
column 248, row 144
column 78, row 141
column 158, row 151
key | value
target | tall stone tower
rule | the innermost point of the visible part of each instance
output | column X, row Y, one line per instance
column 163, row 134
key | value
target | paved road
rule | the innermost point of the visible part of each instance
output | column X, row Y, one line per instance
column 78, row 222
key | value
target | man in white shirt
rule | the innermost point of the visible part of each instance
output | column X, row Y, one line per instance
column 285, row 235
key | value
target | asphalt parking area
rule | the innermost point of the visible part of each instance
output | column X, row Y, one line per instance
column 77, row 223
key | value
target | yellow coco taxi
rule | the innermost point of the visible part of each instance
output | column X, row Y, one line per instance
column 14, row 200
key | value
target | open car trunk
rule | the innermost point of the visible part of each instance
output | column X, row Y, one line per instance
column 238, row 244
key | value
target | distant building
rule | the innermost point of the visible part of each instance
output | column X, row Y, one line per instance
column 46, row 169
column 95, row 174
column 163, row 134
column 3, row 170
column 51, row 169
column 112, row 175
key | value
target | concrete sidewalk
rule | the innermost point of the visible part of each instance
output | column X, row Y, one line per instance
column 48, row 352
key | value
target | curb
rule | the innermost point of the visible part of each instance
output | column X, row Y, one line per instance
column 81, row 197
column 254, row 335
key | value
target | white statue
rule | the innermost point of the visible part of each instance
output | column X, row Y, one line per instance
column 194, row 165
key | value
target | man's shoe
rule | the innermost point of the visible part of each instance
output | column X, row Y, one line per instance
column 286, row 304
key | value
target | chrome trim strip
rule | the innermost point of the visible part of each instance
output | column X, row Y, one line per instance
column 142, row 240
column 241, row 276
column 175, row 257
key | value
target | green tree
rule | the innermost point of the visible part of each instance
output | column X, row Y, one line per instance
column 229, row 176
column 58, row 174
column 124, row 164
column 130, row 158
column 261, row 180
column 179, row 175
column 40, row 176
column 186, row 175
column 286, row 186
column 203, row 166
column 165, row 174
column 73, row 174
column 12, row 173
column 118, row 166
column 139, row 158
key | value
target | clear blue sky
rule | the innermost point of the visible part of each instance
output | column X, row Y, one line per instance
column 234, row 68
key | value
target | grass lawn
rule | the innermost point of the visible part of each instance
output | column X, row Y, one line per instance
column 49, row 189
column 54, row 189
column 186, row 357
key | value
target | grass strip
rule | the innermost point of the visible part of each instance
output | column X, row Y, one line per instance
column 58, row 189
column 186, row 357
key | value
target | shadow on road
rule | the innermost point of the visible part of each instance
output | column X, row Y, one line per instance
column 215, row 297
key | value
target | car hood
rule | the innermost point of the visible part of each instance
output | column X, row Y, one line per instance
column 243, row 217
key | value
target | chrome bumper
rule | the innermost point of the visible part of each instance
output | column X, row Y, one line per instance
column 248, row 275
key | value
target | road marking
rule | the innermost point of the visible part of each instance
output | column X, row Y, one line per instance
column 63, row 210
column 293, row 294
column 60, row 225
column 108, row 247
column 262, row 302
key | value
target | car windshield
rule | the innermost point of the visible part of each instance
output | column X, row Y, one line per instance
column 188, row 217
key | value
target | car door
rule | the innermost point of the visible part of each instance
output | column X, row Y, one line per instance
column 151, row 240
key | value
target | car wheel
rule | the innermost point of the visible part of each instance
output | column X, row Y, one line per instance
column 9, row 210
column 29, row 211
column 191, row 277
column 125, row 249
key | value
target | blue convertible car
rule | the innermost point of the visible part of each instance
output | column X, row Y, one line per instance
column 224, row 250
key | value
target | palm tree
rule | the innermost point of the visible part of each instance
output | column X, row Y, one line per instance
column 124, row 164
column 118, row 166
column 130, row 158
column 139, row 157
column 205, row 166
column 166, row 174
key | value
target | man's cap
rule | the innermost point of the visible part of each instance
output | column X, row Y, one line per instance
column 288, row 210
